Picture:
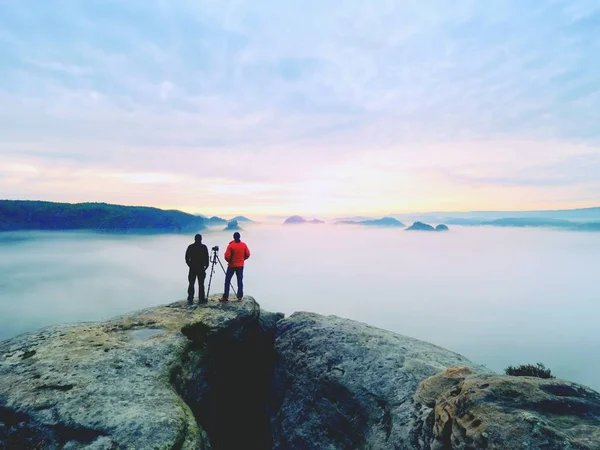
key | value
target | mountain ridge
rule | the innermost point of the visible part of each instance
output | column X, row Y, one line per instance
column 16, row 215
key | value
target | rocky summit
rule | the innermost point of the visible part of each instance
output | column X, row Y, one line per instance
column 231, row 376
column 148, row 380
column 344, row 384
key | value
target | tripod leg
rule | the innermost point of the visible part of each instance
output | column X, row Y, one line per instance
column 212, row 270
column 225, row 272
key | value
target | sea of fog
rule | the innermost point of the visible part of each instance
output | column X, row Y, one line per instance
column 497, row 296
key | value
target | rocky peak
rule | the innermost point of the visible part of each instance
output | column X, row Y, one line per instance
column 111, row 384
column 231, row 376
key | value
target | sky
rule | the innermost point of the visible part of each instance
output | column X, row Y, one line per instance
column 311, row 107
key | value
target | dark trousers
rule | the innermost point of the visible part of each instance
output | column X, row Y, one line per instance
column 194, row 274
column 239, row 275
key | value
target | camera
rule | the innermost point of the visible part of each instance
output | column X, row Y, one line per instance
column 215, row 248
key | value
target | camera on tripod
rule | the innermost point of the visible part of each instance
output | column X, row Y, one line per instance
column 215, row 259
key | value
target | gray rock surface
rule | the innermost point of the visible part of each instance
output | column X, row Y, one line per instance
column 111, row 384
column 341, row 384
column 463, row 410
column 230, row 376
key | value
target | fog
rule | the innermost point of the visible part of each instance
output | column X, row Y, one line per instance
column 497, row 296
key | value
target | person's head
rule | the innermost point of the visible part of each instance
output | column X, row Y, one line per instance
column 236, row 236
column 198, row 238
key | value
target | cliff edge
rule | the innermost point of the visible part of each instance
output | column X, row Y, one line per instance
column 161, row 378
column 230, row 376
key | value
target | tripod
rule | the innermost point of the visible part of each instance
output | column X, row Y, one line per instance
column 214, row 260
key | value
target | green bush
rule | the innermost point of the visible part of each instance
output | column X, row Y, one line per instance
column 196, row 331
column 529, row 370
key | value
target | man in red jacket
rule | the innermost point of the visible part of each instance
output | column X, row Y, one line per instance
column 236, row 254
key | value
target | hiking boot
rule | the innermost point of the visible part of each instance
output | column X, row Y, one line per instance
column 223, row 300
column 240, row 299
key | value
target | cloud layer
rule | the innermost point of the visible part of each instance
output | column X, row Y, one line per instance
column 301, row 106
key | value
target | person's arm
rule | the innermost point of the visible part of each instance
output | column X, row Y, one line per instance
column 206, row 257
column 187, row 257
column 228, row 254
column 246, row 252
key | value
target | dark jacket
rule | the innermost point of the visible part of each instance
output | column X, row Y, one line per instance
column 196, row 256
column 236, row 254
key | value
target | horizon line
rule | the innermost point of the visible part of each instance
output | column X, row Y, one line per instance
column 339, row 215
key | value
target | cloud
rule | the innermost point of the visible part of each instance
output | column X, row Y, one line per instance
column 166, row 87
column 569, row 171
column 57, row 66
column 285, row 96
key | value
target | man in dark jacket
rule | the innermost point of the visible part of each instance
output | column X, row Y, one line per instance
column 236, row 254
column 196, row 257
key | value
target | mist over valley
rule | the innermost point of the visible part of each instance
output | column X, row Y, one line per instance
column 499, row 296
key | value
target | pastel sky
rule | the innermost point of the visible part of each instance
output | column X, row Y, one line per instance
column 302, row 106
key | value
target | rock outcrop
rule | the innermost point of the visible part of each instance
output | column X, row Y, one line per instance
column 230, row 376
column 343, row 384
column 164, row 378
column 233, row 225
column 462, row 410
column 420, row 226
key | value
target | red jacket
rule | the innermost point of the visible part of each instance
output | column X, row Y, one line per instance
column 236, row 254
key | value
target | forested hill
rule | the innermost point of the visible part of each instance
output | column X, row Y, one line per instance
column 39, row 215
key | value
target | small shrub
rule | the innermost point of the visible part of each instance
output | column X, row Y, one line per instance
column 196, row 331
column 529, row 370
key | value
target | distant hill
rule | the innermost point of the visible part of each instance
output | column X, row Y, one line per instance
column 522, row 222
column 592, row 226
column 476, row 217
column 242, row 219
column 232, row 225
column 352, row 219
column 465, row 222
column 383, row 222
column 529, row 222
column 215, row 221
column 296, row 220
column 420, row 226
column 566, row 214
column 40, row 215
column 514, row 222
